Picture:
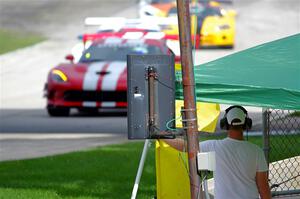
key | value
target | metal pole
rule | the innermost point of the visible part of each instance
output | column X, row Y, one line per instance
column 184, row 24
column 151, row 77
column 140, row 169
column 266, row 136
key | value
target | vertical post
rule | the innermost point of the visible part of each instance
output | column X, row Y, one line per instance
column 266, row 135
column 151, row 77
column 184, row 24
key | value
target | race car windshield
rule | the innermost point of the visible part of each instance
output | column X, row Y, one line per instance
column 116, row 53
column 205, row 12
column 201, row 12
column 161, row 1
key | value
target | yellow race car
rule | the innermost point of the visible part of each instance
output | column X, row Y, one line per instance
column 211, row 25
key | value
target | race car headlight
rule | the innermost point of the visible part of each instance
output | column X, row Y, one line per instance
column 223, row 27
column 58, row 76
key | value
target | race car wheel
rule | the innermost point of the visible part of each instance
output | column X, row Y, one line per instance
column 58, row 111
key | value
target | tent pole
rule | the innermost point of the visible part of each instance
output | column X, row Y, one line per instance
column 188, row 82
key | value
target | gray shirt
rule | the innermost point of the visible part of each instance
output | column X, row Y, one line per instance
column 236, row 165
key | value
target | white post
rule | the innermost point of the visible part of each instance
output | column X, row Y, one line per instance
column 140, row 169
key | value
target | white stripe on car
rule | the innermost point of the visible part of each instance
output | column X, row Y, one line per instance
column 110, row 80
column 91, row 79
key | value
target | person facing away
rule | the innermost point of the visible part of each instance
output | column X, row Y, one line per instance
column 241, row 169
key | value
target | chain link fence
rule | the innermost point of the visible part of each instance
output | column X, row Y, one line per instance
column 282, row 140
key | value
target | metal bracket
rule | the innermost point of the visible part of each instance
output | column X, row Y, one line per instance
column 168, row 134
column 189, row 120
column 186, row 110
column 151, row 72
column 184, row 120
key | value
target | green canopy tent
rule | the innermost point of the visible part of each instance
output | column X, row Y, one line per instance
column 267, row 75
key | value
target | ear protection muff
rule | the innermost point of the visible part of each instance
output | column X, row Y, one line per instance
column 224, row 122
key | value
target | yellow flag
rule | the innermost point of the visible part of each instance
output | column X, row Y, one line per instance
column 207, row 115
column 172, row 165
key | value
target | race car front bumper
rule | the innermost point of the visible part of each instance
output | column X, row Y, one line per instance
column 70, row 97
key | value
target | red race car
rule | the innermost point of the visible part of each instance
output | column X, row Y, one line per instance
column 99, row 80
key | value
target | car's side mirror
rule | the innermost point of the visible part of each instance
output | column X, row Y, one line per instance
column 70, row 58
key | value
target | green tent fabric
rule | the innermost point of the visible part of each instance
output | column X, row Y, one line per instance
column 267, row 75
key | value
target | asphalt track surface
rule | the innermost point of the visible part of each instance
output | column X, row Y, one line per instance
column 25, row 129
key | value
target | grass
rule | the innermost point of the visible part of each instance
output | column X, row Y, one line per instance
column 295, row 114
column 282, row 147
column 12, row 40
column 106, row 172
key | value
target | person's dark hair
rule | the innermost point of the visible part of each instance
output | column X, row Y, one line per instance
column 236, row 127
